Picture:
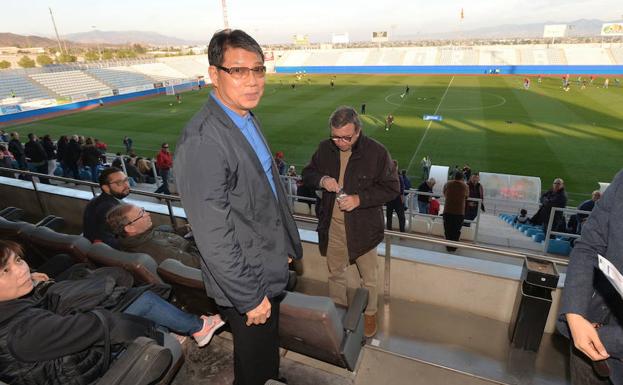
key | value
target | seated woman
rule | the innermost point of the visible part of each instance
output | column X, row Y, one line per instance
column 55, row 332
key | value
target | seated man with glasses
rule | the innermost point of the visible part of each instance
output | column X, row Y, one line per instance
column 136, row 233
column 115, row 186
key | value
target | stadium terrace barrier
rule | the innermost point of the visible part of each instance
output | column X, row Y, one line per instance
column 87, row 104
column 459, row 70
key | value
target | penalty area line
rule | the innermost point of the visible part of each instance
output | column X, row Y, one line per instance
column 417, row 149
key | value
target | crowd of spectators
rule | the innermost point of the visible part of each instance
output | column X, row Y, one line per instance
column 74, row 156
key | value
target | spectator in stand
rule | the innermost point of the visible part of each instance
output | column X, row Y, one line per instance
column 554, row 197
column 281, row 164
column 133, row 171
column 102, row 147
column 17, row 149
column 423, row 199
column 434, row 206
column 293, row 179
column 475, row 191
column 58, row 333
column 135, row 233
column 587, row 205
column 115, row 187
column 467, row 172
column 71, row 157
column 407, row 186
column 6, row 161
column 118, row 161
column 3, row 137
column 164, row 162
column 50, row 150
column 37, row 155
column 425, row 163
column 358, row 177
column 127, row 143
column 144, row 167
column 455, row 192
column 91, row 158
column 523, row 217
column 397, row 205
column 61, row 147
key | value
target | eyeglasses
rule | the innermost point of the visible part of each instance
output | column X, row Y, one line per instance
column 243, row 72
column 346, row 139
column 141, row 214
column 165, row 146
column 120, row 182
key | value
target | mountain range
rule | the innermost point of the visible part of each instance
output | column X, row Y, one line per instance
column 581, row 27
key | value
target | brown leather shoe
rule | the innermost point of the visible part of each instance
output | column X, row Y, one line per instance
column 369, row 322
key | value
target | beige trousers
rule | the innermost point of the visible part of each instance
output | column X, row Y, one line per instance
column 337, row 262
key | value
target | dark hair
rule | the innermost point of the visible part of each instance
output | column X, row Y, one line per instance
column 31, row 135
column 103, row 178
column 6, row 249
column 344, row 115
column 458, row 175
column 117, row 220
column 231, row 38
column 2, row 147
column 523, row 212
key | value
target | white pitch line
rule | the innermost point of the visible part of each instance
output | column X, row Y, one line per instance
column 417, row 149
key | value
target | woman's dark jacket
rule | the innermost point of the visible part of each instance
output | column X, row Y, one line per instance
column 55, row 338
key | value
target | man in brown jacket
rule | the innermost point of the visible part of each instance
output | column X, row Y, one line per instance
column 358, row 177
column 455, row 192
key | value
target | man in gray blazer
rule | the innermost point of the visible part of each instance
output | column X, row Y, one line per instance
column 238, row 209
column 591, row 309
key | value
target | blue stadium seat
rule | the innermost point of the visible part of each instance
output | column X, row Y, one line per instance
column 538, row 237
column 559, row 246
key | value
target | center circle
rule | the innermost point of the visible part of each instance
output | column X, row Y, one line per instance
column 430, row 103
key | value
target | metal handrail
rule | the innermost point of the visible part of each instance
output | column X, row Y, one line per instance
column 167, row 198
column 389, row 234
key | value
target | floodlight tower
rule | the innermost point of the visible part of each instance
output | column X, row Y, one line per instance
column 225, row 22
column 58, row 39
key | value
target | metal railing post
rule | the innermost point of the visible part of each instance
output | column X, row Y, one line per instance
column 388, row 262
column 43, row 207
column 548, row 230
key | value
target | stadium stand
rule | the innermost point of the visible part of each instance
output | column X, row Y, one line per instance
column 556, row 56
column 119, row 77
column 617, row 54
column 293, row 58
column 420, row 56
column 588, row 55
column 189, row 66
column 23, row 88
column 458, row 56
column 159, row 71
column 68, row 83
column 323, row 58
column 499, row 56
column 352, row 58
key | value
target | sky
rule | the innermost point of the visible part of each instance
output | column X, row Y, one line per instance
column 276, row 21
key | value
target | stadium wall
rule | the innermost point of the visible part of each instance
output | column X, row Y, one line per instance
column 43, row 113
column 459, row 70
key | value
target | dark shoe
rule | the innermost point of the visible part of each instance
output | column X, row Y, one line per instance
column 451, row 249
column 369, row 322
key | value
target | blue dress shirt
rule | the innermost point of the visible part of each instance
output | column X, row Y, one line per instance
column 253, row 136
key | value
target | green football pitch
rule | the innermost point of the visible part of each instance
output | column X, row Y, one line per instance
column 490, row 122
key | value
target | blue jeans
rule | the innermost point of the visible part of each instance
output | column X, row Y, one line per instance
column 422, row 207
column 149, row 305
